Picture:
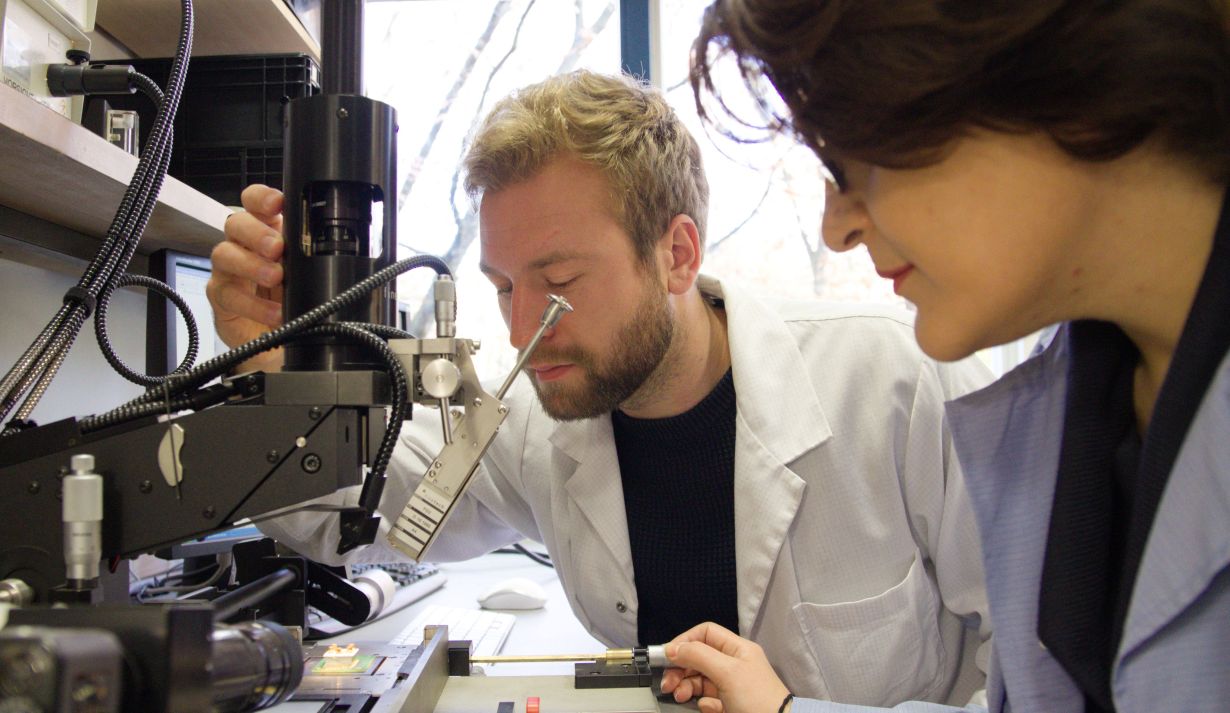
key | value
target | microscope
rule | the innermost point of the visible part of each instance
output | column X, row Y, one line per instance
column 186, row 459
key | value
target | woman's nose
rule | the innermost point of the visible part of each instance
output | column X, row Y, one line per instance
column 845, row 222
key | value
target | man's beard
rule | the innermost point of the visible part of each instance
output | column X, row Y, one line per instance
column 636, row 352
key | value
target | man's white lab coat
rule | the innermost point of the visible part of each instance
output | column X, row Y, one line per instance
column 859, row 569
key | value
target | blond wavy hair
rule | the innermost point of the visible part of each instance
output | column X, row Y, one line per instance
column 621, row 126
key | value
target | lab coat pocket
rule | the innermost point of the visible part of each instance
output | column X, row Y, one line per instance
column 881, row 650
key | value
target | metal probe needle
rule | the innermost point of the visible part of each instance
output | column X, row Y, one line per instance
column 656, row 654
column 556, row 309
column 608, row 655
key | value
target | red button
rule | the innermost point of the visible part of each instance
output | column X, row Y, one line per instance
column 531, row 704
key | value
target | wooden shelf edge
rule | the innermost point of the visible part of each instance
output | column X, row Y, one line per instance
column 62, row 173
column 150, row 28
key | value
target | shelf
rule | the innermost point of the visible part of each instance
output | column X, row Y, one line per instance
column 150, row 28
column 66, row 175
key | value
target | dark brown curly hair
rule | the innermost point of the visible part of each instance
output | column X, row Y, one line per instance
column 894, row 82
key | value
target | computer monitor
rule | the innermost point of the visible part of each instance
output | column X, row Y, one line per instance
column 166, row 332
column 212, row 544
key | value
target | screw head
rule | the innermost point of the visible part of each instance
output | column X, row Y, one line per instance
column 209, row 512
column 146, row 487
column 311, row 463
column 315, row 413
column 342, row 113
column 272, row 456
column 34, row 487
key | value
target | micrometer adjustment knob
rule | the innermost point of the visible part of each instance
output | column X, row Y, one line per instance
column 440, row 378
column 445, row 293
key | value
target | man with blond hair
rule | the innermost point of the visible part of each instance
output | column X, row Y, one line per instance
column 684, row 451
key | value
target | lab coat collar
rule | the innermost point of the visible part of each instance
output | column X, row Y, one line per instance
column 773, row 387
column 778, row 419
column 595, row 486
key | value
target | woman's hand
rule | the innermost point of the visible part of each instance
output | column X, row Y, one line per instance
column 729, row 674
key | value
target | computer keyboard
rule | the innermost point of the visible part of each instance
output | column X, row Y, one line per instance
column 405, row 574
column 486, row 630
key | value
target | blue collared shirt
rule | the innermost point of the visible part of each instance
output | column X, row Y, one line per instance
column 1175, row 652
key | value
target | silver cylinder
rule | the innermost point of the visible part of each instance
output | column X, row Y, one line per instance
column 82, row 515
column 657, row 656
column 445, row 293
column 15, row 591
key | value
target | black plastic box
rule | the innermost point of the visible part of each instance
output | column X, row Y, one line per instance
column 222, row 172
column 228, row 130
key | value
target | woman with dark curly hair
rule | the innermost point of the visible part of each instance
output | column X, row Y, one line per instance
column 1013, row 165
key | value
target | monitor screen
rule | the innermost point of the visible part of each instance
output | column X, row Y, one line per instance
column 166, row 331
column 211, row 544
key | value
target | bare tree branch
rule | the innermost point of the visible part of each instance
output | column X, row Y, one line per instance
column 462, row 76
column 582, row 37
column 818, row 253
column 479, row 112
column 768, row 186
column 467, row 223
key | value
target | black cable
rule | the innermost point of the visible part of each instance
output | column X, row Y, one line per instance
column 222, row 363
column 518, row 549
column 104, row 339
column 254, row 592
column 147, row 86
column 381, row 330
column 158, row 152
column 41, row 360
column 161, row 146
column 141, row 196
column 159, row 139
column 179, row 401
column 158, row 149
column 119, row 243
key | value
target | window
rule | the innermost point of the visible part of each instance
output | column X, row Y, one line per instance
column 766, row 198
column 443, row 64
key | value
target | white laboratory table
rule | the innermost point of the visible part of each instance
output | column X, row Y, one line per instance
column 550, row 630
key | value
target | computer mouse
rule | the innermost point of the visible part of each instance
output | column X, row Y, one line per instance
column 515, row 593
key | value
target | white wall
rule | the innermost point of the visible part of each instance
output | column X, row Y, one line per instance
column 86, row 384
